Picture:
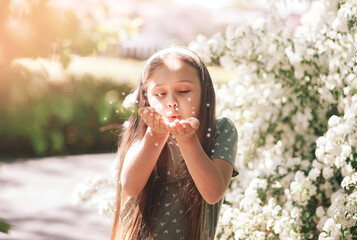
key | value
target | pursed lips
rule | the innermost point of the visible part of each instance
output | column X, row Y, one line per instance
column 172, row 117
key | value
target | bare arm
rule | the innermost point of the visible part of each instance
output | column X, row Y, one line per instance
column 211, row 177
column 140, row 161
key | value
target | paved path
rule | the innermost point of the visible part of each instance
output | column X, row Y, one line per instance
column 35, row 197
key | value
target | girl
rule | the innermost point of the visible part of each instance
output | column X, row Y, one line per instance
column 175, row 159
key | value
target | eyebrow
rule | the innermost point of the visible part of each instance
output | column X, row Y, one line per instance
column 161, row 84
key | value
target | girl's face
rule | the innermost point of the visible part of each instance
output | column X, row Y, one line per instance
column 174, row 89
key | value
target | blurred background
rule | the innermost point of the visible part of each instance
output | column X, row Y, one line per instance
column 66, row 66
column 65, row 69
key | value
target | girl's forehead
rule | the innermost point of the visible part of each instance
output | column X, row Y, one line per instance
column 172, row 62
column 170, row 65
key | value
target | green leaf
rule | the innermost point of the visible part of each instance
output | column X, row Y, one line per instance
column 57, row 140
column 39, row 144
column 305, row 215
column 63, row 109
column 4, row 226
column 104, row 111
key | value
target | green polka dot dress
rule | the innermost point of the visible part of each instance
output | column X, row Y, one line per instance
column 169, row 220
column 169, row 223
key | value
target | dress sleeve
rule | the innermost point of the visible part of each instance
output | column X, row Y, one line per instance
column 225, row 142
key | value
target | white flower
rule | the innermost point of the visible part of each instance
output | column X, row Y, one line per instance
column 327, row 172
column 346, row 151
column 329, row 159
column 227, row 62
column 334, row 121
column 320, row 153
column 340, row 24
column 314, row 174
column 294, row 58
column 316, row 164
column 305, row 164
column 302, row 189
column 321, row 223
column 216, row 43
column 329, row 225
column 81, row 193
column 320, row 211
column 295, row 212
column 345, row 182
column 340, row 162
column 201, row 47
column 258, row 183
column 349, row 180
column 299, row 176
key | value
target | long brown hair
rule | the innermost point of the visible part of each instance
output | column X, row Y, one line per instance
column 140, row 224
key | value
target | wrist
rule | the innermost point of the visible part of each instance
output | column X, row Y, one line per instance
column 155, row 135
column 186, row 139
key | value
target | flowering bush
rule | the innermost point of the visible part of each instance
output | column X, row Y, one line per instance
column 98, row 191
column 294, row 102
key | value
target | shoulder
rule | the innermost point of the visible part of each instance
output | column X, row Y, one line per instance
column 225, row 125
column 225, row 142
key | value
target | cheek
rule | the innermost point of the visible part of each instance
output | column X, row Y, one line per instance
column 155, row 103
column 152, row 101
column 194, row 107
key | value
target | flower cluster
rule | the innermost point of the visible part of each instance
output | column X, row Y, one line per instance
column 98, row 191
column 294, row 104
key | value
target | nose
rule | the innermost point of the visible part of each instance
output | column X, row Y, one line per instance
column 172, row 103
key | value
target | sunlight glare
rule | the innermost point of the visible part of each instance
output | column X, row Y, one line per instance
column 210, row 4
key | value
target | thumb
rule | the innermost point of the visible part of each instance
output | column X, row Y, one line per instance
column 195, row 123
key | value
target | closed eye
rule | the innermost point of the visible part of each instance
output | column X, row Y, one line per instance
column 187, row 91
column 160, row 94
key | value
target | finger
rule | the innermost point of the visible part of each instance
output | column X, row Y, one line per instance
column 166, row 122
column 156, row 120
column 144, row 116
column 168, row 127
column 188, row 127
column 162, row 124
column 181, row 127
column 143, row 111
column 193, row 122
column 173, row 128
column 154, row 116
column 147, row 116
column 146, row 111
column 152, row 120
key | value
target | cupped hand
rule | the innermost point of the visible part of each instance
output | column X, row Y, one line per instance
column 156, row 124
column 183, row 129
